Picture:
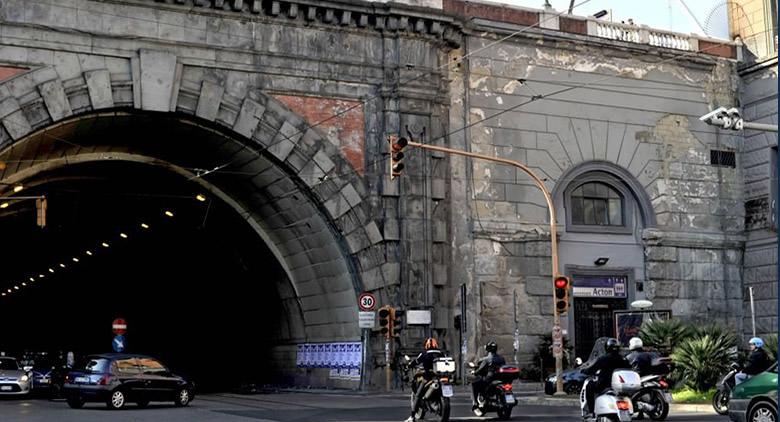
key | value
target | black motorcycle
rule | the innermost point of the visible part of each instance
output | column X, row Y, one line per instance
column 498, row 396
column 654, row 398
column 438, row 390
column 720, row 401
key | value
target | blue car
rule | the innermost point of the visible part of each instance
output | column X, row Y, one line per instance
column 572, row 382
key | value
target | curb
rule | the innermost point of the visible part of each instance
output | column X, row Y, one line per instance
column 574, row 402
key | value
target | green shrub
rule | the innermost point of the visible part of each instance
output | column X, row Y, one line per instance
column 665, row 335
column 770, row 344
column 701, row 360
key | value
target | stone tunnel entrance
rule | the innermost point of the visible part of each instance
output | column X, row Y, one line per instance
column 223, row 290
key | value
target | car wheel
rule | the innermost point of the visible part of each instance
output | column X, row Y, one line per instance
column 182, row 397
column 762, row 412
column 116, row 400
column 75, row 402
column 142, row 403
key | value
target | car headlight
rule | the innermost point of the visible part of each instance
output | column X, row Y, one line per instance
column 24, row 378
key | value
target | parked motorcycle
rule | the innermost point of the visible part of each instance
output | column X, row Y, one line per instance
column 436, row 399
column 498, row 395
column 720, row 401
column 613, row 404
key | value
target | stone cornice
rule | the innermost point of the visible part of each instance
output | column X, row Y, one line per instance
column 657, row 237
column 386, row 17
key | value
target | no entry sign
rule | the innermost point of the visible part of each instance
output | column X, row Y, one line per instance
column 366, row 302
column 119, row 326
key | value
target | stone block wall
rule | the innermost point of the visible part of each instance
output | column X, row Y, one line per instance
column 759, row 161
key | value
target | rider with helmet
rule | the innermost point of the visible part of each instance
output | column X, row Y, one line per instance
column 425, row 360
column 757, row 362
column 486, row 371
column 641, row 361
column 606, row 364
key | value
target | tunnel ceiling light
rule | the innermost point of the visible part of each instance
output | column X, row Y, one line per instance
column 75, row 259
column 41, row 276
column 16, row 287
column 9, row 290
column 104, row 244
column 89, row 253
column 4, row 205
column 200, row 197
column 18, row 188
column 51, row 270
column 62, row 265
column 168, row 213
column 3, row 293
column 124, row 236
column 24, row 284
column 32, row 279
column 144, row 225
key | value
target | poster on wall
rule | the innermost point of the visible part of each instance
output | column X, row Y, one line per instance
column 340, row 355
column 628, row 323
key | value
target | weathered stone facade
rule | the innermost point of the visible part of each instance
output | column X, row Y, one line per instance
column 299, row 98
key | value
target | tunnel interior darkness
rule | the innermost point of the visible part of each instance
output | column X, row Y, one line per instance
column 198, row 289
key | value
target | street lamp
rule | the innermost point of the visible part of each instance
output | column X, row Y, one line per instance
column 641, row 304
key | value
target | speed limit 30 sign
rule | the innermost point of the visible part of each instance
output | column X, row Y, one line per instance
column 366, row 302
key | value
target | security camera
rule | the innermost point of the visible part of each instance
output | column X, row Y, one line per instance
column 714, row 114
column 734, row 113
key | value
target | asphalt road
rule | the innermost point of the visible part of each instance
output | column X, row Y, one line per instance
column 281, row 407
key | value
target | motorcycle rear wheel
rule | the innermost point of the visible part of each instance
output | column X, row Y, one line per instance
column 661, row 410
column 505, row 413
column 444, row 409
column 720, row 402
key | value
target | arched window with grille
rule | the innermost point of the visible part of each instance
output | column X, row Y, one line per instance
column 598, row 204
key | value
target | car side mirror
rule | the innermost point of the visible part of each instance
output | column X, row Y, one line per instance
column 27, row 368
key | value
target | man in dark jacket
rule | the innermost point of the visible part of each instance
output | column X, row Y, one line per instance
column 606, row 364
column 641, row 361
column 421, row 377
column 485, row 371
column 757, row 362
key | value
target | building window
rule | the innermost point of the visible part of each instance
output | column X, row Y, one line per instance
column 599, row 202
column 596, row 204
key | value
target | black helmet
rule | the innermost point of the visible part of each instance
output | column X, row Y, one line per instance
column 491, row 347
column 612, row 345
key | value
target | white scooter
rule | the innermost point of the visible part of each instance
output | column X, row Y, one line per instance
column 614, row 404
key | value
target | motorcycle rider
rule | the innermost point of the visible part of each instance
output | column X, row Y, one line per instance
column 421, row 377
column 485, row 371
column 757, row 362
column 641, row 361
column 607, row 364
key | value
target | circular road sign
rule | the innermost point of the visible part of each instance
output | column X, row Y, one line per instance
column 119, row 326
column 366, row 302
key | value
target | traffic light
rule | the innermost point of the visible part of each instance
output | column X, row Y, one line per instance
column 396, row 317
column 386, row 321
column 561, row 285
column 40, row 206
column 396, row 155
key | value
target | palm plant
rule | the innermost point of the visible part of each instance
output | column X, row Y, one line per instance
column 770, row 344
column 702, row 359
column 665, row 335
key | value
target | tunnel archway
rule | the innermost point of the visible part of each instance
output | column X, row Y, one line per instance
column 285, row 207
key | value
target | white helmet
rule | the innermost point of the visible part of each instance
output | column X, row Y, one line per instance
column 635, row 343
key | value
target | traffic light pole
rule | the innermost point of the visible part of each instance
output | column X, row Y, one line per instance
column 553, row 229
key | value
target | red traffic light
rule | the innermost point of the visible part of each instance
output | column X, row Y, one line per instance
column 561, row 283
column 399, row 144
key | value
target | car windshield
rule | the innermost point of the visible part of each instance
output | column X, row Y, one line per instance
column 9, row 364
column 97, row 365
